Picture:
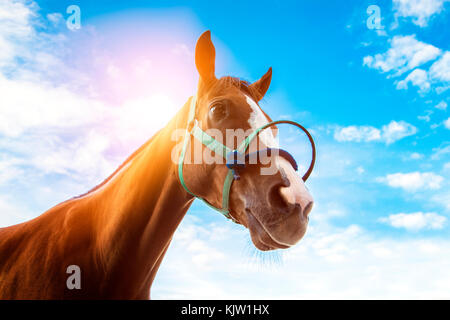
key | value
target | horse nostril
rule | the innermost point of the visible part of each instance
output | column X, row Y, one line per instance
column 308, row 209
column 276, row 198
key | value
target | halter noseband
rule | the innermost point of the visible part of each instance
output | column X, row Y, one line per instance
column 236, row 160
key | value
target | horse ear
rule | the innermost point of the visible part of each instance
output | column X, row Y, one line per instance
column 262, row 85
column 205, row 57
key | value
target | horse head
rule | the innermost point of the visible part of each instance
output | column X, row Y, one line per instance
column 269, row 198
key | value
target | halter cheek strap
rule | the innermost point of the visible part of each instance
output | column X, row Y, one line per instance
column 235, row 159
column 215, row 146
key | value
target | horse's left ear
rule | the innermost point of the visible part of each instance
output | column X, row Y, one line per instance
column 262, row 85
column 205, row 58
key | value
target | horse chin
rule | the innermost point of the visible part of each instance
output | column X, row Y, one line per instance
column 263, row 238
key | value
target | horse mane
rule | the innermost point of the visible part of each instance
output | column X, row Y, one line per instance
column 243, row 85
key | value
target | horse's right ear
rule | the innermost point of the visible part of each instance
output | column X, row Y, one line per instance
column 205, row 58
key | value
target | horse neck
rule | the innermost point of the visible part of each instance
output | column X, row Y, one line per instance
column 140, row 208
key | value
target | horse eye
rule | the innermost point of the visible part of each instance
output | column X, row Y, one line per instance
column 218, row 111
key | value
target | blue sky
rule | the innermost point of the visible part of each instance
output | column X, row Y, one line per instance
column 376, row 101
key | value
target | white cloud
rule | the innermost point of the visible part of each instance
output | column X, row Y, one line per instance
column 438, row 152
column 53, row 130
column 50, row 127
column 43, row 106
column 15, row 19
column 47, row 127
column 441, row 105
column 389, row 133
column 413, row 181
column 441, row 89
column 420, row 11
column 316, row 268
column 34, row 48
column 405, row 53
column 415, row 221
column 10, row 168
column 357, row 134
column 442, row 199
column 425, row 117
column 416, row 156
column 55, row 18
column 418, row 78
column 447, row 123
column 439, row 74
column 10, row 213
column 397, row 130
column 440, row 70
column 446, row 166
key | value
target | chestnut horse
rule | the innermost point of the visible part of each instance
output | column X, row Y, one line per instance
column 118, row 233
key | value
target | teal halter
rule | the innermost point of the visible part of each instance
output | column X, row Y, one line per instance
column 231, row 156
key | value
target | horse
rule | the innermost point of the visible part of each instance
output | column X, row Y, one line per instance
column 118, row 233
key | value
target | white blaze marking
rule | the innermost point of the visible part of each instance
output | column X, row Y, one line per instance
column 258, row 119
